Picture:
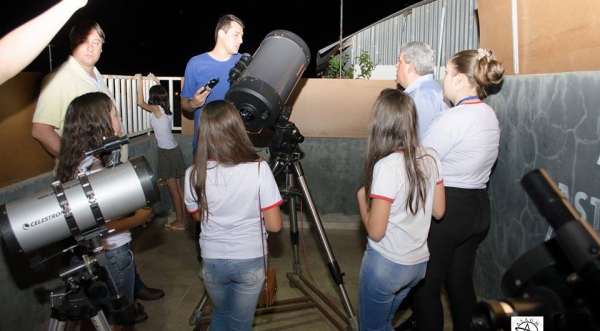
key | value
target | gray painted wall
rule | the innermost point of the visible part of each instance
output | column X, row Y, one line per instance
column 547, row 121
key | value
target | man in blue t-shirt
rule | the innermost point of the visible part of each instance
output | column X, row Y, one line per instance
column 206, row 66
column 214, row 64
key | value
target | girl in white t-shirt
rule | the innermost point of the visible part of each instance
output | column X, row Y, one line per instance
column 226, row 189
column 403, row 189
column 90, row 119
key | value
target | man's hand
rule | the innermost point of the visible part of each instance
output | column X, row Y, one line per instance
column 197, row 101
column 200, row 96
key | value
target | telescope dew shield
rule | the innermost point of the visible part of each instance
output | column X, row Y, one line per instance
column 578, row 240
column 264, row 87
column 37, row 220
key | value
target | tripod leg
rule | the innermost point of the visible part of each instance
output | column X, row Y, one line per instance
column 294, row 235
column 100, row 322
column 58, row 320
column 334, row 268
column 199, row 310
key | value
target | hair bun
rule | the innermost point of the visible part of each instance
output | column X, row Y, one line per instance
column 484, row 52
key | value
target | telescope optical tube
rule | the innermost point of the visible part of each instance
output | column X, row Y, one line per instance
column 264, row 87
column 37, row 220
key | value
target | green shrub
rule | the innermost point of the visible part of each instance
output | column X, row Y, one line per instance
column 364, row 62
column 366, row 65
column 333, row 69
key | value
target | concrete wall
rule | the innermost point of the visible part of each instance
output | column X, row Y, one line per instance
column 549, row 121
column 18, row 98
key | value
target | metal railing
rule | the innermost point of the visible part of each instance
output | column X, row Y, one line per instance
column 136, row 121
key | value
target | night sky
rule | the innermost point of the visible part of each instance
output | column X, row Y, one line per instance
column 143, row 37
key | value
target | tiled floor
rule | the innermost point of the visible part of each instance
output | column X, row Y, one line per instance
column 167, row 260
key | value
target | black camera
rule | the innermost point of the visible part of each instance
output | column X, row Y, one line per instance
column 211, row 84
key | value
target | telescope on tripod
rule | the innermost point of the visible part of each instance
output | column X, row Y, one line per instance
column 558, row 280
column 79, row 209
column 260, row 87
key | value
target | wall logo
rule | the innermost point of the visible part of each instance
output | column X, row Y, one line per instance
column 527, row 323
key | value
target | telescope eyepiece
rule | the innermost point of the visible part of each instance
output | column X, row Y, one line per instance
column 109, row 145
column 238, row 69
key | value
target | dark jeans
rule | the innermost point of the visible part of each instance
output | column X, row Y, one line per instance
column 139, row 284
column 453, row 242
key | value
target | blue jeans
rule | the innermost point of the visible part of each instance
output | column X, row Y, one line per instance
column 233, row 287
column 122, row 269
column 382, row 285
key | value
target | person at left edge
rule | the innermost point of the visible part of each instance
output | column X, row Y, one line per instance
column 78, row 75
column 19, row 47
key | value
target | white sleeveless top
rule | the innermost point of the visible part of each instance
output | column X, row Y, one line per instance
column 162, row 130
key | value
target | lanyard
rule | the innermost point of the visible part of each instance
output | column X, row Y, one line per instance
column 473, row 97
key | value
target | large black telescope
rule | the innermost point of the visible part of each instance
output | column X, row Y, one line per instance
column 558, row 279
column 262, row 83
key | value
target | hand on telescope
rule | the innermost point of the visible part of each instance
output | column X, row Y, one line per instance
column 141, row 217
column 144, row 215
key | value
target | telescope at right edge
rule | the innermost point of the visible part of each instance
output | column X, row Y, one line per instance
column 559, row 279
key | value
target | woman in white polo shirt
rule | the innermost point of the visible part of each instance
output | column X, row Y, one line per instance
column 466, row 138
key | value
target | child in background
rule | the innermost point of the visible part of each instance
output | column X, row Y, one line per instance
column 90, row 119
column 227, row 189
column 403, row 189
column 171, row 164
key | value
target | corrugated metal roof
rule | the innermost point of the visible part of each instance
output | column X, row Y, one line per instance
column 448, row 26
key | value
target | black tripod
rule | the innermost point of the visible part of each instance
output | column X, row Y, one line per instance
column 290, row 164
column 284, row 145
column 74, row 303
column 87, row 284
